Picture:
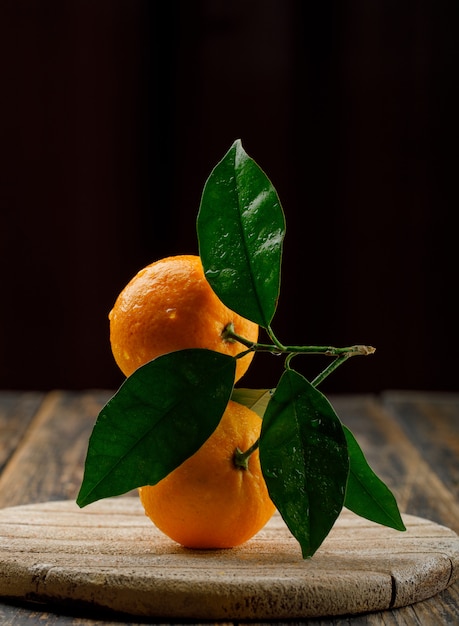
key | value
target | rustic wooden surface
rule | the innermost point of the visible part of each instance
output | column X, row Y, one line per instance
column 110, row 556
column 410, row 438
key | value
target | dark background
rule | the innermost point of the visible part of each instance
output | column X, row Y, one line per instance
column 114, row 113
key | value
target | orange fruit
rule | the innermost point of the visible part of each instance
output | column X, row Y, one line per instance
column 168, row 306
column 208, row 502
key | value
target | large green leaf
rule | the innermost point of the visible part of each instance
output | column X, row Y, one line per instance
column 304, row 459
column 160, row 416
column 366, row 494
column 241, row 227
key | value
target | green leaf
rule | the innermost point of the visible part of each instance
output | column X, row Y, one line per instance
column 241, row 227
column 366, row 494
column 255, row 399
column 159, row 417
column 304, row 459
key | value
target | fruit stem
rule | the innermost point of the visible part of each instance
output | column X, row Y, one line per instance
column 277, row 348
column 241, row 459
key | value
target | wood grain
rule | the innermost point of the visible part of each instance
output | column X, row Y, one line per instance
column 412, row 446
column 110, row 556
column 48, row 460
column 16, row 413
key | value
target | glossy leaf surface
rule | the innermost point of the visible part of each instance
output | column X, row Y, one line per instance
column 160, row 416
column 366, row 494
column 304, row 459
column 240, row 229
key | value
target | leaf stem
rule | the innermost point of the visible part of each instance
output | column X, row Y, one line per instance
column 329, row 369
column 274, row 339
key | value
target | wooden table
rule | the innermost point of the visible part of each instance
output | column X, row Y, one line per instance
column 411, row 439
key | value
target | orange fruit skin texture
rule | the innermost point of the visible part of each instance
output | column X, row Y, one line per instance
column 169, row 306
column 207, row 502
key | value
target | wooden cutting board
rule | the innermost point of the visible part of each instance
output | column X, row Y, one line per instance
column 110, row 556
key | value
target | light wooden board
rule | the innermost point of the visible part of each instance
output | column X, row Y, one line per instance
column 110, row 556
